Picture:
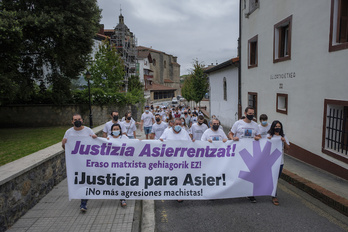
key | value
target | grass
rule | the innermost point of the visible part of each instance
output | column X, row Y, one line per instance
column 19, row 142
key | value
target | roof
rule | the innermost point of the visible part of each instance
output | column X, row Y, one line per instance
column 157, row 87
column 168, row 81
column 101, row 37
column 145, row 54
column 225, row 64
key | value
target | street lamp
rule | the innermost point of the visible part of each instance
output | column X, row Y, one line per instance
column 88, row 77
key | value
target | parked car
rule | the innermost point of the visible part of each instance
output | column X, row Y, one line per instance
column 174, row 100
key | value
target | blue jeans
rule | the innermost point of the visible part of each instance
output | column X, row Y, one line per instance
column 131, row 137
column 148, row 130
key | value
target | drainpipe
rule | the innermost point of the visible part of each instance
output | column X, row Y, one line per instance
column 239, row 64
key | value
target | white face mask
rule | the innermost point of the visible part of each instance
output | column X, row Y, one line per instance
column 116, row 133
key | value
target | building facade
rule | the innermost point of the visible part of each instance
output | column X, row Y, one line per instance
column 166, row 72
column 223, row 92
column 293, row 68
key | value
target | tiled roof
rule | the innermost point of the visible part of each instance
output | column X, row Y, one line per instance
column 168, row 81
column 155, row 87
column 225, row 64
column 101, row 37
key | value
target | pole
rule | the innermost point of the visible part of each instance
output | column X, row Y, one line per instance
column 90, row 106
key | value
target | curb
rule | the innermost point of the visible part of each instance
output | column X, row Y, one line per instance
column 327, row 197
column 148, row 216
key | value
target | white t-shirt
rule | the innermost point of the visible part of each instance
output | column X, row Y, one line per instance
column 169, row 134
column 242, row 129
column 278, row 137
column 197, row 130
column 108, row 125
column 86, row 131
column 158, row 129
column 120, row 137
column 264, row 130
column 218, row 135
column 129, row 127
column 193, row 119
column 147, row 118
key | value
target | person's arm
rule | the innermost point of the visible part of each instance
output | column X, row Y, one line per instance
column 135, row 134
column 105, row 135
column 141, row 125
column 152, row 136
column 64, row 142
column 257, row 137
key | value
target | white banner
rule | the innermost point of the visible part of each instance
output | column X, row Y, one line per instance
column 151, row 169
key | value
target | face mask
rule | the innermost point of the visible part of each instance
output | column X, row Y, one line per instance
column 115, row 118
column 129, row 118
column 200, row 123
column 77, row 123
column 177, row 128
column 250, row 117
column 158, row 119
column 116, row 133
column 167, row 117
column 215, row 127
column 182, row 123
column 185, row 113
column 147, row 111
column 264, row 123
column 277, row 130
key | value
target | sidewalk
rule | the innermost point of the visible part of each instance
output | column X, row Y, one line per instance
column 56, row 213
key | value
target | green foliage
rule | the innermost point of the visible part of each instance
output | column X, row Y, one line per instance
column 44, row 40
column 134, row 83
column 107, row 70
column 196, row 85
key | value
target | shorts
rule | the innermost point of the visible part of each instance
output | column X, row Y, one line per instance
column 147, row 130
column 131, row 137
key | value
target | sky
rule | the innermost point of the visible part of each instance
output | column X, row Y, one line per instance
column 202, row 30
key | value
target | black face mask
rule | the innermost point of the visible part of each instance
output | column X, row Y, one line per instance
column 215, row 127
column 200, row 123
column 129, row 118
column 115, row 118
column 185, row 113
column 158, row 119
column 277, row 130
column 77, row 123
column 250, row 117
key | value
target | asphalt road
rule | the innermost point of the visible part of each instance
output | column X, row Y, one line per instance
column 297, row 212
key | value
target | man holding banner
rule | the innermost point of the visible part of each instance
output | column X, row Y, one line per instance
column 78, row 130
column 246, row 128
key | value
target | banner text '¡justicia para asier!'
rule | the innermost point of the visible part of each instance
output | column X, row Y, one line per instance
column 108, row 150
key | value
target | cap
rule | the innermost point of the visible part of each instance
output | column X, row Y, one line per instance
column 147, row 107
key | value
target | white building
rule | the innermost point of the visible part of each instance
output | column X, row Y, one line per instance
column 294, row 57
column 223, row 92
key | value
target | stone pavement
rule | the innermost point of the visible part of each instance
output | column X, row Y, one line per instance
column 56, row 213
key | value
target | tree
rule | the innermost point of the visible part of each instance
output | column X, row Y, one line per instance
column 186, row 89
column 199, row 82
column 107, row 70
column 44, row 40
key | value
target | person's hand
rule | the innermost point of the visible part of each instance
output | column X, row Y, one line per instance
column 94, row 136
column 224, row 140
column 210, row 141
column 64, row 141
column 193, row 140
column 107, row 138
column 283, row 139
column 161, row 140
column 235, row 139
column 269, row 137
column 256, row 138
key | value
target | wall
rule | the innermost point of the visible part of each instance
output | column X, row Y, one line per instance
column 53, row 115
column 225, row 111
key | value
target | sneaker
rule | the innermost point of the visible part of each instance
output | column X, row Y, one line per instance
column 83, row 207
column 252, row 199
column 123, row 203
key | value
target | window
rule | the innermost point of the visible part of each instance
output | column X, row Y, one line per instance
column 338, row 25
column 282, row 40
column 253, row 5
column 282, row 103
column 165, row 64
column 335, row 129
column 252, row 52
column 252, row 101
column 154, row 62
column 225, row 89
